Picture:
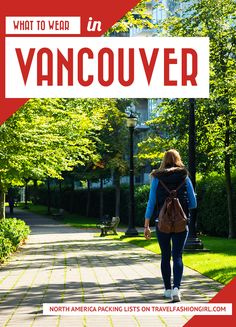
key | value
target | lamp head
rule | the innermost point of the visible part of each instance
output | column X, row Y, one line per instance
column 131, row 120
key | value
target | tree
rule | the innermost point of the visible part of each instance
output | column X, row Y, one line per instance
column 114, row 136
column 49, row 136
column 139, row 17
column 111, row 147
column 215, row 117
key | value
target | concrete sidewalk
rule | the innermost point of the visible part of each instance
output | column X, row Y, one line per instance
column 63, row 264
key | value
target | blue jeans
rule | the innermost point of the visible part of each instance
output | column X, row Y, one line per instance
column 178, row 242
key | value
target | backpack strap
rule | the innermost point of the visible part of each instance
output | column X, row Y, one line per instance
column 168, row 190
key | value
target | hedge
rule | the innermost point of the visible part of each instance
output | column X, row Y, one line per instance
column 13, row 232
column 212, row 217
column 75, row 201
column 212, row 212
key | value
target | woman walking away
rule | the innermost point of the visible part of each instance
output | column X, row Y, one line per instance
column 172, row 175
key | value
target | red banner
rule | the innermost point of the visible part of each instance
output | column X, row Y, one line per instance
column 226, row 295
column 105, row 11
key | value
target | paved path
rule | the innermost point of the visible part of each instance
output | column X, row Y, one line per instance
column 64, row 264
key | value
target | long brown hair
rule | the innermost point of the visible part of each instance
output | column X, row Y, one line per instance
column 171, row 158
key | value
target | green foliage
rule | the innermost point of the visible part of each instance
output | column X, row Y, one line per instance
column 216, row 116
column 5, row 247
column 141, row 198
column 111, row 145
column 12, row 233
column 212, row 217
column 211, row 197
column 48, row 136
column 139, row 17
column 75, row 201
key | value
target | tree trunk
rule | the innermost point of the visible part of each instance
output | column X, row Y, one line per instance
column 227, row 159
column 2, row 204
column 26, row 194
column 49, row 196
column 88, row 198
column 101, row 197
column 35, row 191
column 60, row 209
column 117, row 189
column 228, row 181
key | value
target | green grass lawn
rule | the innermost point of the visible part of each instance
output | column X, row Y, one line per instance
column 80, row 221
column 69, row 219
column 36, row 208
column 218, row 264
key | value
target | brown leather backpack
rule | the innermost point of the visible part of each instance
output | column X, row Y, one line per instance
column 172, row 218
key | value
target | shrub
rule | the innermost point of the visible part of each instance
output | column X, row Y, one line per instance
column 141, row 198
column 75, row 201
column 5, row 247
column 212, row 217
column 12, row 233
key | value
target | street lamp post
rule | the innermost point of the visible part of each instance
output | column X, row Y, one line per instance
column 193, row 242
column 131, row 123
